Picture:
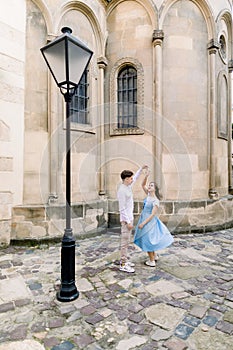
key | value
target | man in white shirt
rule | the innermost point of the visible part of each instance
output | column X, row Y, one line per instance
column 125, row 199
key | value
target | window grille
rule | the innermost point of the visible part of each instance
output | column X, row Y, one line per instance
column 127, row 98
column 79, row 103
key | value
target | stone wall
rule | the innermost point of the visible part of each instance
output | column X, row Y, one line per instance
column 12, row 58
column 40, row 223
column 186, row 217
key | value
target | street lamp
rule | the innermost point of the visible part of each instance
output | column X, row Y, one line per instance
column 67, row 59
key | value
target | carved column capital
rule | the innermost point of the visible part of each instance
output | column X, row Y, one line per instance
column 230, row 66
column 213, row 46
column 102, row 62
column 158, row 36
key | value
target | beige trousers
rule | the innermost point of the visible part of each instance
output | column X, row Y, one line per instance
column 125, row 240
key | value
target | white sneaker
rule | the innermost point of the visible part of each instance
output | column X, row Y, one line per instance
column 131, row 264
column 126, row 268
column 150, row 263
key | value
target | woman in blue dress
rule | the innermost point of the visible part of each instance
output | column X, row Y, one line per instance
column 150, row 233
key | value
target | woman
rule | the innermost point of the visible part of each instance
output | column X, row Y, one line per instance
column 151, row 234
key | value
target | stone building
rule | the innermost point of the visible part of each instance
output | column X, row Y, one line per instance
column 156, row 91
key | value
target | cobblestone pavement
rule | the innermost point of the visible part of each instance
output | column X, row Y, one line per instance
column 186, row 302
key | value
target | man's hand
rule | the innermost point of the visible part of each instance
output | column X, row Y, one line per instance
column 129, row 226
column 145, row 167
column 141, row 226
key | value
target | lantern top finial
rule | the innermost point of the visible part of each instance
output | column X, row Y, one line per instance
column 66, row 30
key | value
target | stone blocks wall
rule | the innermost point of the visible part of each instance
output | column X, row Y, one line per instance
column 5, row 217
column 198, row 216
column 48, row 222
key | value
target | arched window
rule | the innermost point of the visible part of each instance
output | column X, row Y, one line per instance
column 79, row 103
column 127, row 97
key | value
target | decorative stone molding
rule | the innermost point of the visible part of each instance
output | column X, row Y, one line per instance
column 213, row 194
column 213, row 46
column 158, row 36
column 223, row 48
column 114, row 130
column 230, row 66
column 102, row 62
column 222, row 105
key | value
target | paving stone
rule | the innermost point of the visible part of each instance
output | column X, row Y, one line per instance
column 135, row 308
column 83, row 340
column 161, row 334
column 198, row 311
column 22, row 345
column 56, row 322
column 74, row 317
column 211, row 340
column 122, row 314
column 84, row 285
column 140, row 329
column 183, row 331
column 13, row 288
column 105, row 312
column 175, row 344
column 96, row 318
column 229, row 296
column 192, row 321
column 164, row 316
column 66, row 345
column 163, row 287
column 225, row 327
column 51, row 342
column 210, row 321
column 150, row 346
column 228, row 316
column 220, row 308
column 19, row 332
column 131, row 343
column 185, row 273
column 22, row 302
column 38, row 327
column 67, row 309
column 6, row 307
column 137, row 318
column 35, row 286
column 180, row 295
column 88, row 310
column 179, row 303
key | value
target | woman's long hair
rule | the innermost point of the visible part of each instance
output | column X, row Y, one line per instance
column 157, row 192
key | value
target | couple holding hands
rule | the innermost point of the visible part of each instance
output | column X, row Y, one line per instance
column 150, row 233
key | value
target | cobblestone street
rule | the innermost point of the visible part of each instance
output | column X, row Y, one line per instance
column 186, row 302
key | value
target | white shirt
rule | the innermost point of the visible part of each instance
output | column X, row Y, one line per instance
column 125, row 199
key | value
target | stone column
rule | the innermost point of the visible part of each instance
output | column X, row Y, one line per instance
column 230, row 68
column 157, row 127
column 102, row 63
column 53, row 142
column 212, row 47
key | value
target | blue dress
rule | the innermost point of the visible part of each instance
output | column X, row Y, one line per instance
column 154, row 235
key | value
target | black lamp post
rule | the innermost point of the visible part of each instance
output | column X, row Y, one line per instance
column 67, row 59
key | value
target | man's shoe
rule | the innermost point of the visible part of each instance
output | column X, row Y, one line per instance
column 131, row 264
column 126, row 268
column 150, row 263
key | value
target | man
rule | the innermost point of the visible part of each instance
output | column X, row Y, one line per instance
column 125, row 199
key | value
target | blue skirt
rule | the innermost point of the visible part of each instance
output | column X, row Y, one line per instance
column 153, row 236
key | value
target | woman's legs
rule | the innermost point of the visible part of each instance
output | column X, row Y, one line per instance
column 151, row 262
column 151, row 256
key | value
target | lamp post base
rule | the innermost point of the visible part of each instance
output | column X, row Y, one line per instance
column 67, row 295
column 68, row 291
